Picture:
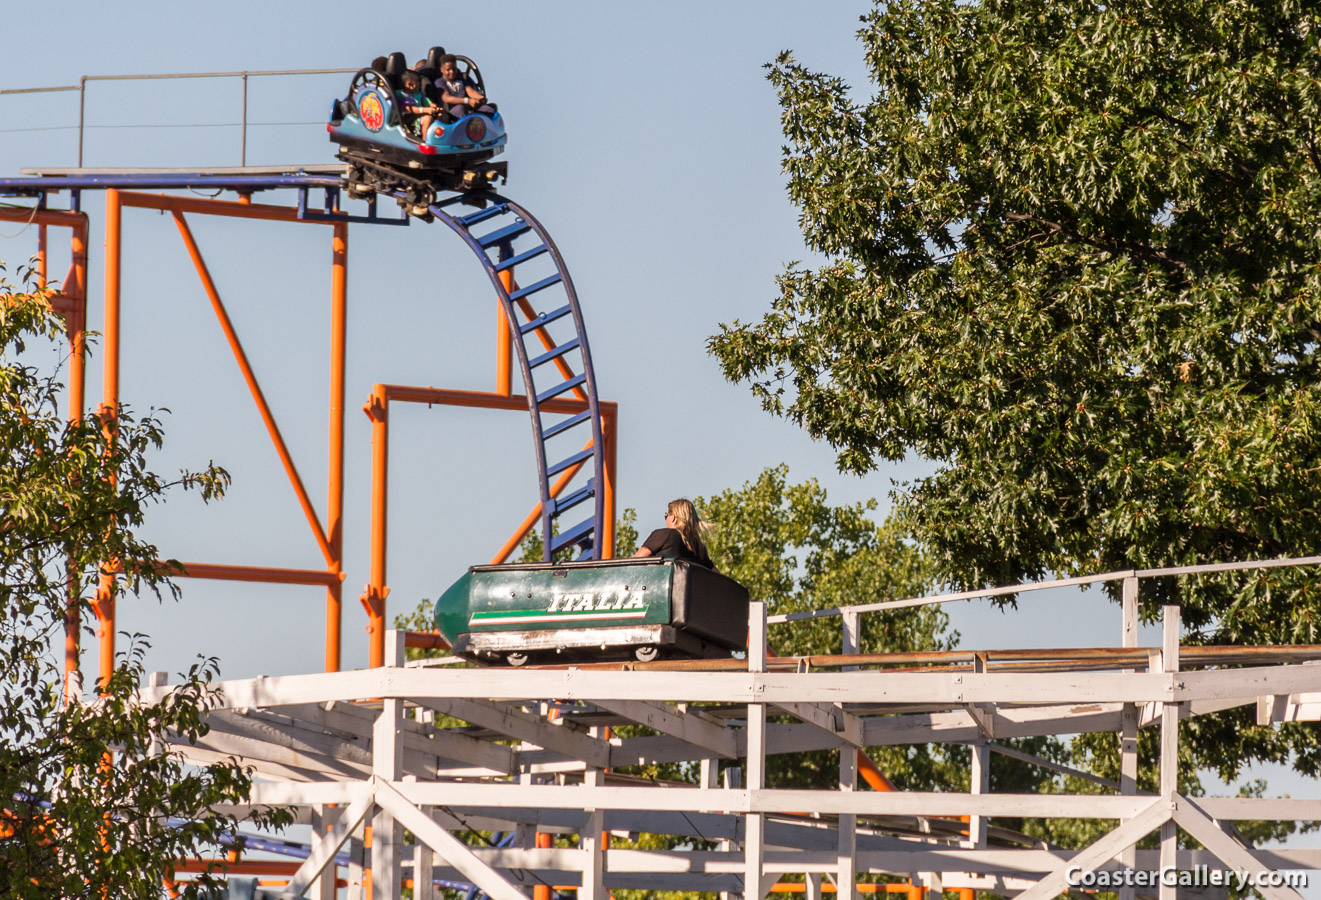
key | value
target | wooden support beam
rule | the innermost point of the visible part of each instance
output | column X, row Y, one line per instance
column 450, row 848
column 689, row 727
column 1129, row 833
column 341, row 825
column 1200, row 826
column 525, row 727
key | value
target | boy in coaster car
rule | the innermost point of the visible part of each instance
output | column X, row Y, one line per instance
column 457, row 92
column 414, row 107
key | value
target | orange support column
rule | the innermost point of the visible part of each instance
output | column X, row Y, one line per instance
column 105, row 594
column 609, row 435
column 378, row 410
column 335, row 490
column 544, row 842
column 504, row 348
column 75, row 320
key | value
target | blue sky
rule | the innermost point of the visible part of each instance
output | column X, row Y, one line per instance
column 644, row 136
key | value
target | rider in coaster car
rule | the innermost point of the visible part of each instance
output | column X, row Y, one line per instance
column 417, row 111
column 459, row 94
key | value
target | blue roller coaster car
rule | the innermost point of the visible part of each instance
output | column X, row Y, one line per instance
column 383, row 153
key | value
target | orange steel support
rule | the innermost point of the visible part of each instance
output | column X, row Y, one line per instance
column 545, row 841
column 874, row 777
column 105, row 594
column 610, row 438
column 504, row 349
column 377, row 409
column 373, row 598
column 335, row 489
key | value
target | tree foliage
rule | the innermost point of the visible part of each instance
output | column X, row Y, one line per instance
column 71, row 497
column 795, row 551
column 1070, row 256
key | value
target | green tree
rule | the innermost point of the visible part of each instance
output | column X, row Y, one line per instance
column 795, row 551
column 71, row 497
column 1070, row 256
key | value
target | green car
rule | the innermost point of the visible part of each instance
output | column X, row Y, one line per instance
column 595, row 610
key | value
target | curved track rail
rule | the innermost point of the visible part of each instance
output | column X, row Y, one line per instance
column 517, row 239
column 550, row 341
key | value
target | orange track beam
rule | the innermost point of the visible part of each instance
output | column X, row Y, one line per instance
column 209, row 207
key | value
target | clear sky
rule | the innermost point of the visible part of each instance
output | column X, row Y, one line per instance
column 644, row 136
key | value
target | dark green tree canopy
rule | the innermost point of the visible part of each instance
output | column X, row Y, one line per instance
column 1071, row 255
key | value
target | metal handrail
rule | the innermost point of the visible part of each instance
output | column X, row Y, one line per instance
column 1119, row 575
column 81, row 88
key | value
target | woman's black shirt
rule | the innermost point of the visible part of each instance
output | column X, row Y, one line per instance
column 668, row 544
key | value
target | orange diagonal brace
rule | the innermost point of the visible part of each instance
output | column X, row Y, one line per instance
column 565, row 477
column 250, row 377
column 548, row 343
column 874, row 777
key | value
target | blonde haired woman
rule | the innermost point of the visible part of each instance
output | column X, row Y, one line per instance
column 681, row 538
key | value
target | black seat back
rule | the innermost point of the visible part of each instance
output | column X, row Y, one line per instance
column 395, row 66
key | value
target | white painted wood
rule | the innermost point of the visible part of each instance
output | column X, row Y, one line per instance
column 388, row 846
column 341, row 826
column 1128, row 725
column 980, row 782
column 323, row 886
column 1248, row 683
column 1169, row 746
column 591, row 842
column 1130, row 832
column 458, row 795
column 424, row 885
column 420, row 739
column 450, row 848
column 923, row 728
column 689, row 727
column 755, row 878
column 846, row 873
column 832, row 719
column 937, row 688
column 526, row 727
column 851, row 635
column 1200, row 826
column 357, row 868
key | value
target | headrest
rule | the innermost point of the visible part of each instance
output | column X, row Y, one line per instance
column 433, row 57
column 395, row 65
